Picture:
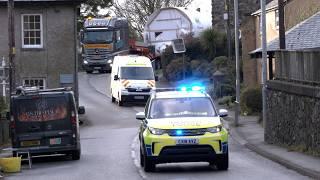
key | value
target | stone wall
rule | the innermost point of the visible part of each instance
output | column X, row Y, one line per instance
column 293, row 116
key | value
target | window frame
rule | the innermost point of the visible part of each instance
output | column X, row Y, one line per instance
column 39, row 79
column 41, row 31
column 276, row 19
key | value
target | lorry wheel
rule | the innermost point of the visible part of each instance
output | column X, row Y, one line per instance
column 89, row 72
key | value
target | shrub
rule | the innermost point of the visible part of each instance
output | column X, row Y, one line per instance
column 174, row 70
column 213, row 42
column 251, row 101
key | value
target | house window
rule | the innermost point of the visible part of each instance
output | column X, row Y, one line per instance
column 35, row 82
column 32, row 31
column 277, row 19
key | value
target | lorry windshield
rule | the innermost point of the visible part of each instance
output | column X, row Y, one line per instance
column 137, row 73
column 98, row 36
column 182, row 107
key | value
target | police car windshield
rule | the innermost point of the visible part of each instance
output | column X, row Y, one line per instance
column 137, row 73
column 98, row 36
column 182, row 107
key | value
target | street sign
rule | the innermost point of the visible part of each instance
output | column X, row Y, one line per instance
column 178, row 46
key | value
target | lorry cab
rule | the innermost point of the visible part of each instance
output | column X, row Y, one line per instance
column 132, row 79
column 45, row 122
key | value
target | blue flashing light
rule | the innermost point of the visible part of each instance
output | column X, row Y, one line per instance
column 192, row 88
column 183, row 88
column 197, row 88
column 179, row 132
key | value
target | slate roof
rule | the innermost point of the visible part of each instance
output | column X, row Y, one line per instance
column 305, row 35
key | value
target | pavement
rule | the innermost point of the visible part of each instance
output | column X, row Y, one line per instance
column 250, row 133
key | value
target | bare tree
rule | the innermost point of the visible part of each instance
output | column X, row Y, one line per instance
column 137, row 12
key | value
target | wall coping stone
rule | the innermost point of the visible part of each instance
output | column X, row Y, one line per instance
column 294, row 88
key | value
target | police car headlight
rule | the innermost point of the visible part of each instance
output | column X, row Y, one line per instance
column 214, row 129
column 109, row 61
column 156, row 131
column 85, row 62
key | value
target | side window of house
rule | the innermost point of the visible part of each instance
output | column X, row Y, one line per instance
column 35, row 82
column 32, row 31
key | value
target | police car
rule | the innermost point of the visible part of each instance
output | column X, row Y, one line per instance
column 182, row 125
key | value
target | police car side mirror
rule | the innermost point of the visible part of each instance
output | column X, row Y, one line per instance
column 116, row 77
column 223, row 112
column 81, row 110
column 140, row 116
column 8, row 116
column 156, row 78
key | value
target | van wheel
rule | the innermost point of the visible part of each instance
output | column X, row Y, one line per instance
column 120, row 103
column 76, row 154
column 113, row 99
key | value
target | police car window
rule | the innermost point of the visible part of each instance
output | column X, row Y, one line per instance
column 137, row 73
column 182, row 107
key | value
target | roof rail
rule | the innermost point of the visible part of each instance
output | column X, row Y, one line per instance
column 28, row 90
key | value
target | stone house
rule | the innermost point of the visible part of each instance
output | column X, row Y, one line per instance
column 299, row 14
column 45, row 40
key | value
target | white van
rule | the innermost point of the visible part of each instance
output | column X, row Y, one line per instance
column 132, row 79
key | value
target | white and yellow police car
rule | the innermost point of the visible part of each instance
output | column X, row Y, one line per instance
column 182, row 125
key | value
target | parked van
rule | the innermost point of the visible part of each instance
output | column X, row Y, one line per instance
column 132, row 79
column 45, row 122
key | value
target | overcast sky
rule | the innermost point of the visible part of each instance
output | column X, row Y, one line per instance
column 204, row 5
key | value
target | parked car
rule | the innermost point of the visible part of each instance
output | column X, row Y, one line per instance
column 45, row 122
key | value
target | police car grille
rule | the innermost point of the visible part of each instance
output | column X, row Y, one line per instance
column 187, row 132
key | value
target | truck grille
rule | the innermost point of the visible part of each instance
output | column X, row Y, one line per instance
column 97, row 54
column 187, row 132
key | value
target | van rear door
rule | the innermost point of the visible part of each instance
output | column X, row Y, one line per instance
column 43, row 120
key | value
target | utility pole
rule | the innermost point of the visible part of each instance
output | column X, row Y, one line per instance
column 236, row 27
column 227, row 19
column 282, row 31
column 264, row 62
column 12, row 49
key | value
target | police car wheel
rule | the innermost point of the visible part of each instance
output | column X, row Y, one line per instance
column 223, row 162
column 149, row 165
column 141, row 158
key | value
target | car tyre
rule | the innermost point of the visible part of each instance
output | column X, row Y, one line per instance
column 76, row 154
column 89, row 72
column 141, row 158
column 113, row 99
column 149, row 165
column 223, row 162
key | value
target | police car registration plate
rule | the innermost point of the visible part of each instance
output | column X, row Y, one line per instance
column 187, row 141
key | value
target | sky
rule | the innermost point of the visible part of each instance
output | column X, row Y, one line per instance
column 204, row 5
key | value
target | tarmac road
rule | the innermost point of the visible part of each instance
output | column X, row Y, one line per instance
column 110, row 148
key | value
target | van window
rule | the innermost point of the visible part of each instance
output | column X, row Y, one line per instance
column 42, row 109
column 137, row 73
